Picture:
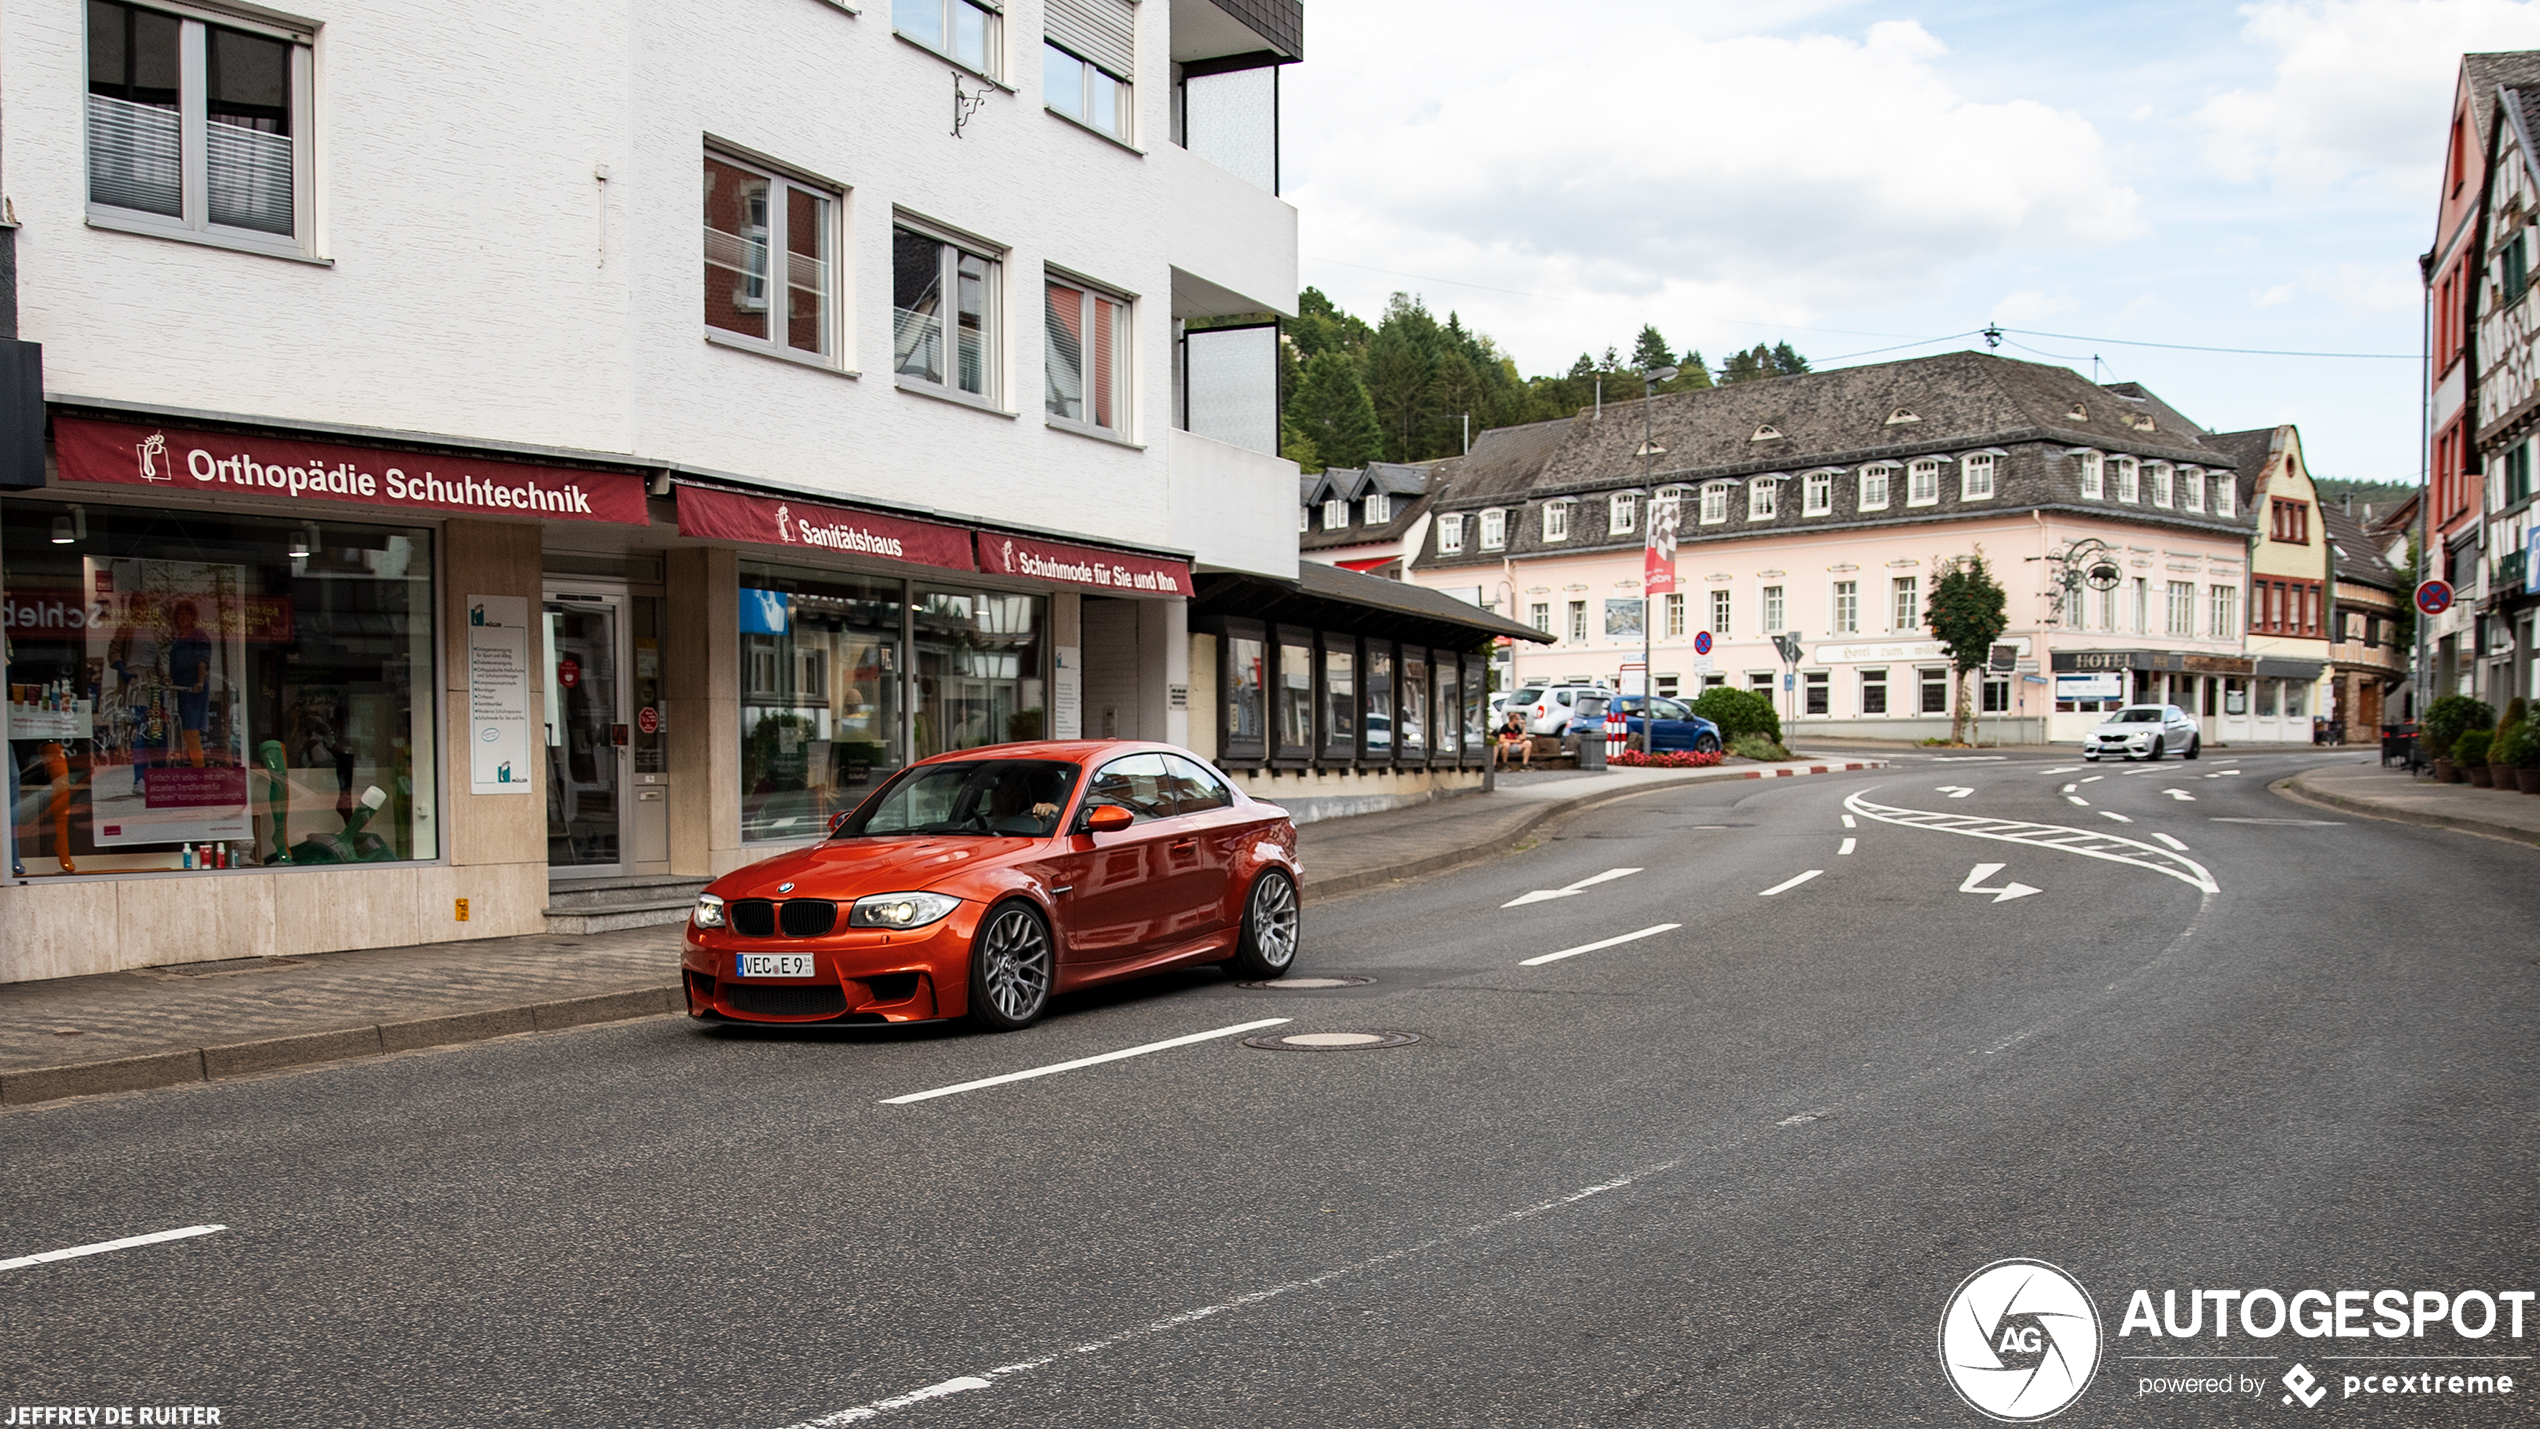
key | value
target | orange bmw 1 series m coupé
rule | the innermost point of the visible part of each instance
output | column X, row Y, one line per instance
column 986, row 882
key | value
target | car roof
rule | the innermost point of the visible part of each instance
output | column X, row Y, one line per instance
column 1073, row 751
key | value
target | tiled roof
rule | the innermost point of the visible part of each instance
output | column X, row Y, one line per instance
column 2033, row 416
column 2487, row 72
column 1407, row 483
column 2358, row 554
column 2249, row 452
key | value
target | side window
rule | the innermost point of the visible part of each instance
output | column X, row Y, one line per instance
column 1135, row 783
column 1195, row 790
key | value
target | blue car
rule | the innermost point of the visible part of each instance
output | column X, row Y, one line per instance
column 1674, row 727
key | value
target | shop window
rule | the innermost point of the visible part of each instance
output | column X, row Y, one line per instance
column 1412, row 730
column 1339, row 720
column 1292, row 698
column 1934, row 680
column 944, row 323
column 821, row 668
column 2266, row 699
column 198, row 130
column 1243, row 677
column 2235, row 695
column 966, row 32
column 190, row 690
column 1376, row 701
column 1997, row 695
column 2297, row 700
column 979, row 668
column 1818, row 688
column 1873, row 692
column 1476, row 690
column 1447, row 732
column 758, row 223
column 1086, row 336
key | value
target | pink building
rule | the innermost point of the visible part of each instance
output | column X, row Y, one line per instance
column 1823, row 506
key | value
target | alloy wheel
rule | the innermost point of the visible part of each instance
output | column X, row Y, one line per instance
column 1015, row 965
column 1274, row 920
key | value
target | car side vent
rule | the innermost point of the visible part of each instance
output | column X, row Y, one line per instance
column 753, row 918
column 807, row 917
column 892, row 987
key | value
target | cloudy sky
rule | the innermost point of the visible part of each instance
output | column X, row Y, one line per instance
column 1858, row 176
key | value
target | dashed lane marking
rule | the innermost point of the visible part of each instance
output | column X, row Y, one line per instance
column 1954, row 791
column 1546, row 895
column 1056, row 1067
column 1848, row 823
column 2089, row 843
column 2077, row 801
column 1791, row 884
column 47, row 1257
column 2113, row 814
column 2070, row 788
column 1651, row 932
column 1847, row 847
column 2095, row 778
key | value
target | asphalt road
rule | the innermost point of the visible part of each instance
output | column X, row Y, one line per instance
column 1730, row 1172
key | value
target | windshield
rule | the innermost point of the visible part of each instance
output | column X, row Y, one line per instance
column 2137, row 717
column 1589, row 707
column 972, row 796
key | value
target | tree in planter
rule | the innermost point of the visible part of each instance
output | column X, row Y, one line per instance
column 1967, row 612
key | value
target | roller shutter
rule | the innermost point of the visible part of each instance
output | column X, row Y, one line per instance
column 1103, row 31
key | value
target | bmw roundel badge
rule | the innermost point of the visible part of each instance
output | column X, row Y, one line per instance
column 784, row 888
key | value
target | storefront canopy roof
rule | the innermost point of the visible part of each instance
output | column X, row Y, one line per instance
column 1328, row 598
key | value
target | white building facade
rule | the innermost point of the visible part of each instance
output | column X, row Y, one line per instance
column 493, row 465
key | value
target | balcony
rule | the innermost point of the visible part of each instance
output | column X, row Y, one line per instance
column 1232, row 508
column 1232, row 244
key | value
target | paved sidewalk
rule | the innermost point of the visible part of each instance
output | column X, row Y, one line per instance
column 2368, row 789
column 155, row 1027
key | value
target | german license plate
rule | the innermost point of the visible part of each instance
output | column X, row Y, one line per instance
column 774, row 964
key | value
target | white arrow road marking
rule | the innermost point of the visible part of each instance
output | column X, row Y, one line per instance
column 1653, row 932
column 1847, row 847
column 2003, row 894
column 47, row 1257
column 2173, row 843
column 1793, row 883
column 2089, row 843
column 1954, row 791
column 1546, row 895
column 2076, row 799
column 2113, row 814
column 2181, row 795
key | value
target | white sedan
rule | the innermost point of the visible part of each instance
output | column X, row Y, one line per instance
column 2145, row 732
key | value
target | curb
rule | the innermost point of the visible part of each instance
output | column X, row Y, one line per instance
column 2300, row 793
column 236, row 1059
column 1499, row 842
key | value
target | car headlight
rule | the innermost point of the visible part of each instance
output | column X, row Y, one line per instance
column 708, row 913
column 900, row 910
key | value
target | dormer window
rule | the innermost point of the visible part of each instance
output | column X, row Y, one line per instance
column 1335, row 514
column 1671, row 498
column 1766, row 432
column 1494, row 529
column 2191, row 488
column 1763, row 498
column 1450, row 535
column 1975, row 477
column 1875, row 479
column 1620, row 510
column 1818, row 495
column 2224, row 493
column 2093, row 471
column 1922, row 482
column 2141, row 421
column 1556, row 520
column 2160, row 473
column 1379, row 508
column 2077, row 413
column 2129, row 479
column 1715, row 503
column 1901, row 416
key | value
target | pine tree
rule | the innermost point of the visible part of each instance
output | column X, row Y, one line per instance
column 1747, row 366
column 1786, row 360
column 1695, row 375
column 1967, row 613
column 1332, row 415
column 1650, row 350
column 1402, row 377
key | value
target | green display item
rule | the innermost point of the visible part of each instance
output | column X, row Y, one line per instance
column 278, row 795
column 351, row 845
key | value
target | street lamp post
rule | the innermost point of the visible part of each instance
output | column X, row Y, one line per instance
column 1649, row 380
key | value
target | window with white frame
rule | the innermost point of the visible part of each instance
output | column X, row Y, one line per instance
column 1818, row 497
column 2075, row 613
column 1620, row 509
column 1304, row 519
column 1763, row 499
column 2182, row 608
column 1539, row 615
column 1087, row 369
column 2222, row 604
column 2160, row 473
column 1774, row 610
column 1922, row 482
column 2224, row 492
column 199, row 129
column 967, row 32
column 2093, row 469
column 1975, row 476
column 1905, row 604
column 1671, row 497
column 1847, row 607
column 1578, row 622
column 1874, row 480
column 1450, row 534
column 2191, row 488
column 1715, row 503
column 1335, row 513
column 1556, row 520
column 1494, row 529
column 2129, row 478
column 1085, row 92
column 1720, row 612
column 771, row 274
column 1377, row 508
column 944, row 320
column 1675, row 615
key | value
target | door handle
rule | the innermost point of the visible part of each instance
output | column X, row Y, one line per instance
column 1180, row 844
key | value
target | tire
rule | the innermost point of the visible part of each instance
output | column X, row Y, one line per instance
column 1012, row 967
column 1266, row 948
column 2195, row 746
column 2160, row 749
column 1706, row 744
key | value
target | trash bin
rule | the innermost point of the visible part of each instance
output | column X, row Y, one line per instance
column 1591, row 752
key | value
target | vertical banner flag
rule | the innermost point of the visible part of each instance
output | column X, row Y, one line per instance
column 1658, row 560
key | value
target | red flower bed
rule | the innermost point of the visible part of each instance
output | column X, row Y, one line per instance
column 1666, row 759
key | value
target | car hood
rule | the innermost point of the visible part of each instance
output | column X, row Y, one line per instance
column 851, row 868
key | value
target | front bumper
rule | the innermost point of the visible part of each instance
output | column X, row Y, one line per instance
column 866, row 975
column 2121, row 746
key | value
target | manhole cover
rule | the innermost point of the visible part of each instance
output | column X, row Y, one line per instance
column 1331, row 1041
column 1308, row 984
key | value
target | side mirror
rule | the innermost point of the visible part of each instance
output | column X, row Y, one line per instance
column 838, row 820
column 1108, row 819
